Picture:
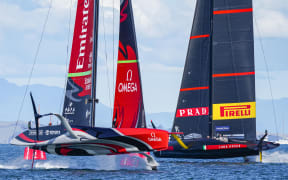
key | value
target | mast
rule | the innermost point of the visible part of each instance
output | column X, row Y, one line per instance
column 211, row 70
column 94, row 70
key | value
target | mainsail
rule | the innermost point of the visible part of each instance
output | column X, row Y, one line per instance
column 217, row 94
column 128, row 103
column 233, row 79
column 192, row 113
column 77, row 106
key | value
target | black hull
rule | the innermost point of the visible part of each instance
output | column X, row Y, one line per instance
column 215, row 149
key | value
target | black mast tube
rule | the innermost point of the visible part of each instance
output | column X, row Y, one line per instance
column 211, row 72
column 94, row 70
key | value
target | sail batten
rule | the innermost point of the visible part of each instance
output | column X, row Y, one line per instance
column 230, row 11
column 195, row 88
column 200, row 36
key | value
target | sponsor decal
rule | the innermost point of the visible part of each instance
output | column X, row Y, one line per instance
column 222, row 128
column 83, row 36
column 88, row 83
column 198, row 111
column 234, row 111
column 41, row 132
column 128, row 86
column 88, row 113
column 224, row 146
column 70, row 110
column 154, row 138
column 33, row 132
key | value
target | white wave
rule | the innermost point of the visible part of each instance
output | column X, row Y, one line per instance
column 275, row 157
column 99, row 163
column 19, row 163
column 110, row 163
column 49, row 164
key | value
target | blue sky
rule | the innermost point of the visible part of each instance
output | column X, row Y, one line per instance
column 163, row 28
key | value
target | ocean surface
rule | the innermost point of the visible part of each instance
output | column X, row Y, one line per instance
column 12, row 166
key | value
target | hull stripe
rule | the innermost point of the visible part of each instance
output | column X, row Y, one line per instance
column 194, row 89
column 233, row 11
column 233, row 74
column 25, row 138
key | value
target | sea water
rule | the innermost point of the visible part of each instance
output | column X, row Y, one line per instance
column 12, row 166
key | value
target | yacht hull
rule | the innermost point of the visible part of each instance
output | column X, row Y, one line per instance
column 213, row 149
column 93, row 141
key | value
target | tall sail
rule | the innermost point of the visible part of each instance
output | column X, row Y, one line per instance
column 128, row 103
column 233, row 76
column 192, row 113
column 77, row 108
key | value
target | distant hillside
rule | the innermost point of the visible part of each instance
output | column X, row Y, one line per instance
column 49, row 99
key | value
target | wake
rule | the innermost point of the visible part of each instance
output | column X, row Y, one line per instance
column 19, row 163
column 275, row 157
column 98, row 163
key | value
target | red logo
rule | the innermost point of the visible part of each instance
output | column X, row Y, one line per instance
column 235, row 111
column 199, row 111
column 123, row 16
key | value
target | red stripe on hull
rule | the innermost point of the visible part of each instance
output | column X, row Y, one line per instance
column 233, row 11
column 194, row 89
column 25, row 138
column 234, row 74
column 225, row 146
column 199, row 36
column 75, row 129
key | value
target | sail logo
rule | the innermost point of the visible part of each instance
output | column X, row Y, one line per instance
column 83, row 36
column 88, row 113
column 198, row 111
column 234, row 111
column 70, row 109
column 222, row 128
column 128, row 86
column 153, row 138
column 129, row 75
column 122, row 14
column 231, row 111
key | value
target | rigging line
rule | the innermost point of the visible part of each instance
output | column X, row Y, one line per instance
column 32, row 68
column 106, row 57
column 67, row 57
column 268, row 78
